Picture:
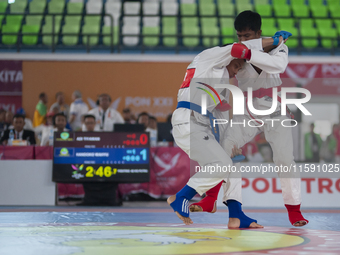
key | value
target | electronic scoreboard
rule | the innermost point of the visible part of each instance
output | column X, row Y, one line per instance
column 101, row 157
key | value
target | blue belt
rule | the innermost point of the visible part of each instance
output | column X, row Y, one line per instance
column 197, row 108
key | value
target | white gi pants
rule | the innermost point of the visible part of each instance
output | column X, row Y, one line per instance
column 200, row 144
column 281, row 141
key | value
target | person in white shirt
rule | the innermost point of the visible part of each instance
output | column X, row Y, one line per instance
column 77, row 110
column 105, row 116
column 59, row 124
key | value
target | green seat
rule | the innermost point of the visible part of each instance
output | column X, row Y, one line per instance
column 91, row 29
column 10, row 39
column 264, row 10
column 75, row 8
column 207, row 9
column 211, row 22
column 188, row 9
column 337, row 23
column 169, row 21
column 228, row 35
column 107, row 33
column 48, row 29
column 240, row 7
column 282, row 10
column 332, row 3
column 227, row 9
column 289, row 25
column 3, row 6
column 49, row 20
column 14, row 19
column 268, row 31
column 72, row 20
column 335, row 11
column 56, row 7
column 309, row 42
column 169, row 33
column 92, row 20
column 18, row 7
column 285, row 23
column 279, row 2
column 261, row 2
column 293, row 41
column 34, row 20
column 70, row 39
column 307, row 23
column 300, row 10
column 270, row 22
column 30, row 39
column 222, row 2
column 210, row 31
column 190, row 31
column 1, row 18
column 37, row 7
column 325, row 29
column 189, row 21
column 319, row 11
column 227, row 22
column 205, row 1
column 151, row 40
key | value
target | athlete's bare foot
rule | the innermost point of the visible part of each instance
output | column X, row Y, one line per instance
column 300, row 223
column 235, row 223
column 186, row 220
column 197, row 208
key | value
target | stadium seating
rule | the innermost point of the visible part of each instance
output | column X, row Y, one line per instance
column 161, row 24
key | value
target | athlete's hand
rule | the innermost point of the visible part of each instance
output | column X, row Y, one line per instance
column 235, row 151
column 281, row 36
column 240, row 51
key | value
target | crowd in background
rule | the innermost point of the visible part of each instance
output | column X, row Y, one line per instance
column 62, row 117
column 78, row 117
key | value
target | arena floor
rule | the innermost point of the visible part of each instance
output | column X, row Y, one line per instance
column 152, row 228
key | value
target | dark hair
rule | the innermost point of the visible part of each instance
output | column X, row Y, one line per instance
column 42, row 95
column 142, row 114
column 126, row 110
column 58, row 93
column 248, row 20
column 58, row 114
column 89, row 116
column 19, row 116
column 152, row 118
column 104, row 95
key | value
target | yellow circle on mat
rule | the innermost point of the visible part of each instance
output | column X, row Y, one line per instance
column 140, row 240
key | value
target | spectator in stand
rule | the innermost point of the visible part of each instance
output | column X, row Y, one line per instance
column 19, row 132
column 28, row 122
column 59, row 125
column 60, row 104
column 128, row 117
column 106, row 116
column 168, row 119
column 77, row 110
column 313, row 144
column 44, row 129
column 40, row 110
column 90, row 123
column 329, row 147
column 143, row 118
column 8, row 119
column 152, row 129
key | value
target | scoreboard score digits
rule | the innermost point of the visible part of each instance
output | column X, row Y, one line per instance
column 101, row 156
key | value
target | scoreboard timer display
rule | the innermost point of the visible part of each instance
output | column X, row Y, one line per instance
column 101, row 157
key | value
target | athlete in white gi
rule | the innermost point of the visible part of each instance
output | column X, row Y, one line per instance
column 262, row 73
column 192, row 130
